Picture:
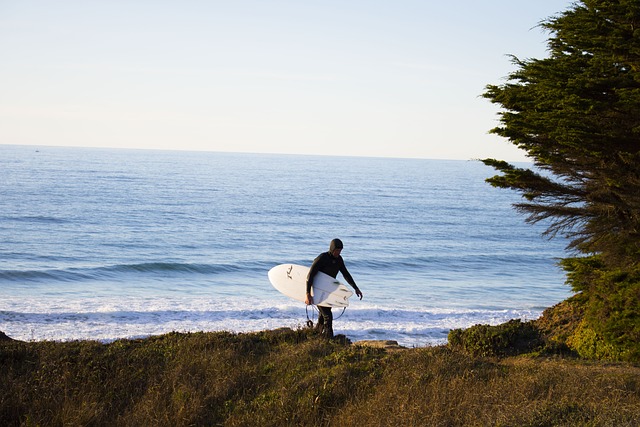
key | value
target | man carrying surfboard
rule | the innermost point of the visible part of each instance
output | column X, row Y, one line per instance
column 330, row 263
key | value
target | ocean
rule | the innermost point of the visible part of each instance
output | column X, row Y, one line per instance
column 104, row 244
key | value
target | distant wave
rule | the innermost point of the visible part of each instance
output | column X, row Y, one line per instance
column 151, row 269
column 41, row 275
column 449, row 262
column 164, row 267
column 36, row 219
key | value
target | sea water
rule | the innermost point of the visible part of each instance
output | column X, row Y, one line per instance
column 105, row 244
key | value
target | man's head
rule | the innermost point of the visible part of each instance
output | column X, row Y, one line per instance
column 335, row 247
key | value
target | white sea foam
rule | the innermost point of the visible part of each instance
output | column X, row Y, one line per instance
column 113, row 318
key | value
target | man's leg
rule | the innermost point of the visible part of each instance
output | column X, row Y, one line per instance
column 320, row 322
column 325, row 317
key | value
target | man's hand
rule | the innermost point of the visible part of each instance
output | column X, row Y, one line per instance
column 358, row 293
column 308, row 299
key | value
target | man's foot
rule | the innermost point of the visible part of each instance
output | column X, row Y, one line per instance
column 327, row 331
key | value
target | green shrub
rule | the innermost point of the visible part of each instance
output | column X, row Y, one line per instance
column 559, row 322
column 511, row 338
column 611, row 304
column 586, row 342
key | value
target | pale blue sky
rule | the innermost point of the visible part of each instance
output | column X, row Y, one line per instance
column 398, row 78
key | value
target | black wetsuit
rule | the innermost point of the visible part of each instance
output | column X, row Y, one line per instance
column 330, row 265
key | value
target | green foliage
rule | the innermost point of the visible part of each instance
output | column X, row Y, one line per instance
column 560, row 322
column 287, row 377
column 586, row 342
column 577, row 115
column 611, row 304
column 511, row 338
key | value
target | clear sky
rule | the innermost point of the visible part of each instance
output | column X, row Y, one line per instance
column 394, row 78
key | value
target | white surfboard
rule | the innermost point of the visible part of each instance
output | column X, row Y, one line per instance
column 291, row 280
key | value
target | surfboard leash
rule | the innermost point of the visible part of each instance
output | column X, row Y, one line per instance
column 343, row 310
column 310, row 322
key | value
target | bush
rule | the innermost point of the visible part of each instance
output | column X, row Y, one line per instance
column 511, row 338
column 611, row 303
column 586, row 342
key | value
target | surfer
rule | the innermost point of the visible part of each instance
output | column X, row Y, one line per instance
column 329, row 263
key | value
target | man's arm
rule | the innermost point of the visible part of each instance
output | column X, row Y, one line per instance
column 315, row 267
column 347, row 276
column 312, row 273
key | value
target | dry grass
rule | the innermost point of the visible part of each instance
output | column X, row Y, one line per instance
column 295, row 378
column 438, row 387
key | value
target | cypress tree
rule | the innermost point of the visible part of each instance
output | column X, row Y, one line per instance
column 576, row 113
